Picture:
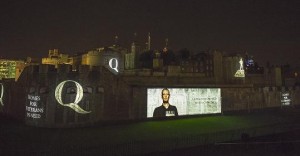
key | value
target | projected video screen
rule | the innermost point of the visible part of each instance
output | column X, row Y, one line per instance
column 182, row 101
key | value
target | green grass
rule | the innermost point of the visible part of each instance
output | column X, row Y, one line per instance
column 149, row 130
column 155, row 135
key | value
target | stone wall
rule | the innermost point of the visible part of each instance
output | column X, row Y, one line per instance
column 106, row 97
column 99, row 94
column 234, row 98
column 253, row 98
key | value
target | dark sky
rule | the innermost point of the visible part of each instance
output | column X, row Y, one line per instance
column 268, row 30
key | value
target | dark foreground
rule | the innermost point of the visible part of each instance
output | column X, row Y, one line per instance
column 275, row 133
column 283, row 144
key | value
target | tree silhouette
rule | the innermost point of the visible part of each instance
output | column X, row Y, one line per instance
column 168, row 57
column 146, row 59
column 184, row 54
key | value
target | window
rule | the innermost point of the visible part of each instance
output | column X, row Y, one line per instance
column 71, row 90
column 31, row 90
column 100, row 90
column 44, row 90
column 88, row 90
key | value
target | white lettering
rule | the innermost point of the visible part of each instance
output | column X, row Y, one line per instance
column 34, row 109
column 111, row 64
column 78, row 98
column 35, row 116
column 34, row 98
column 31, row 103
column 285, row 100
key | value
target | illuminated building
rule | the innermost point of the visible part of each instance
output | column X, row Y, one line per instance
column 201, row 62
column 165, row 49
column 11, row 69
column 149, row 42
column 33, row 61
column 112, row 56
column 132, row 58
column 92, row 58
column 55, row 58
column 76, row 61
column 68, row 98
column 108, row 83
column 231, row 65
column 157, row 61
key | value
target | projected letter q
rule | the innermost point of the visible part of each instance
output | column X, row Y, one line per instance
column 115, row 62
column 1, row 95
column 78, row 98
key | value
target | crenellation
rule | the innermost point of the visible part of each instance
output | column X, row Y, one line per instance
column 62, row 94
column 64, row 68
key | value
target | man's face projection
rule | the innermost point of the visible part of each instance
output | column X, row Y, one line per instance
column 165, row 96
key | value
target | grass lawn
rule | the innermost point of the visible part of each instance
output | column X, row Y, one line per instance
column 139, row 137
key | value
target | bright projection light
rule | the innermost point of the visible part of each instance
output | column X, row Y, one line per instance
column 1, row 95
column 79, row 96
column 111, row 64
column 285, row 99
column 188, row 101
column 240, row 72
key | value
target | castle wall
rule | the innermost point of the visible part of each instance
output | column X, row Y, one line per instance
column 49, row 97
column 64, row 98
column 6, row 95
column 234, row 98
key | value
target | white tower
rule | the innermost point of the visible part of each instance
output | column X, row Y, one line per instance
column 149, row 42
column 166, row 46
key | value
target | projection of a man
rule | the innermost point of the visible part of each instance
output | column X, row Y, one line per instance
column 166, row 109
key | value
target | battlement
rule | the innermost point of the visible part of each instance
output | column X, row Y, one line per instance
column 62, row 68
column 66, row 97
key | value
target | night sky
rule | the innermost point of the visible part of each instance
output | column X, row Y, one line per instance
column 268, row 30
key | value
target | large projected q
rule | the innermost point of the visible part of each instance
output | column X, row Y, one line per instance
column 78, row 98
column 113, row 64
column 188, row 101
column 1, row 94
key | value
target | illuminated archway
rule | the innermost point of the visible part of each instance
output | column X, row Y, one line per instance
column 78, row 98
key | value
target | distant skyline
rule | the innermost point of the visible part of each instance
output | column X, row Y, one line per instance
column 268, row 30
